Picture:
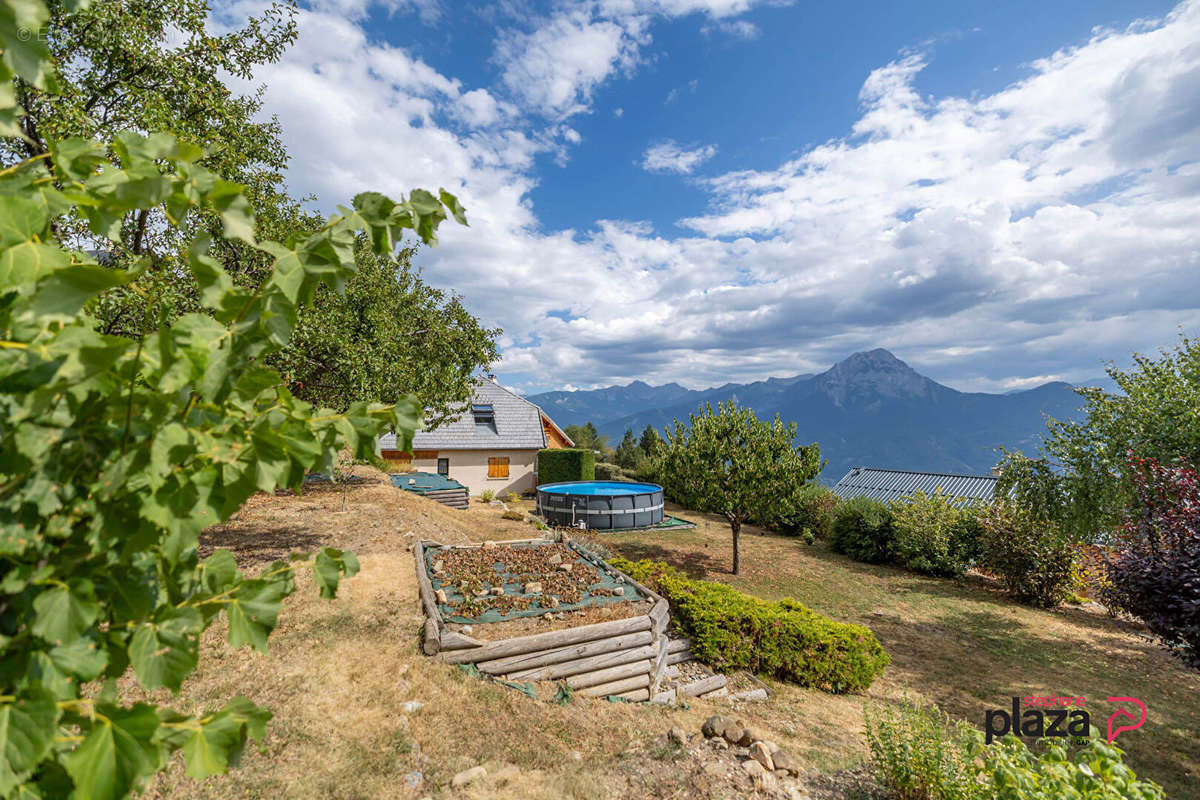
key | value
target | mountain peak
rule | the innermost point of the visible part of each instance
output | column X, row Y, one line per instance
column 872, row 359
column 863, row 377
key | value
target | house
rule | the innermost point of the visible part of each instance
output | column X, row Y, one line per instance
column 493, row 445
column 887, row 485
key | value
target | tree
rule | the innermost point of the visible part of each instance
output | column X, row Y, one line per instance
column 587, row 437
column 129, row 65
column 627, row 453
column 731, row 463
column 650, row 442
column 1083, row 475
column 116, row 452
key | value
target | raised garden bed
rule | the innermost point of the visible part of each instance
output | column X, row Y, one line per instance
column 543, row 609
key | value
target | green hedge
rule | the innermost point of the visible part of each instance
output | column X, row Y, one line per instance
column 812, row 510
column 569, row 464
column 730, row 630
column 862, row 529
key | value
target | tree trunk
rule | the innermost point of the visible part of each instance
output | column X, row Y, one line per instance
column 736, row 527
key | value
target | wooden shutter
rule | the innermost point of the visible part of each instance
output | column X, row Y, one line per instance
column 498, row 467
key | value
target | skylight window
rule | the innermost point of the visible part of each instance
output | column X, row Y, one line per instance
column 485, row 417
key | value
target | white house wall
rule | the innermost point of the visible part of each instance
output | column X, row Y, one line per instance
column 470, row 468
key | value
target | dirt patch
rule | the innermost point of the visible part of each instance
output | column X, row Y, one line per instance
column 495, row 631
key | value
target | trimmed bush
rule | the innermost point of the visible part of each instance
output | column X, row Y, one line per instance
column 812, row 511
column 566, row 464
column 1032, row 555
column 730, row 630
column 933, row 536
column 862, row 529
column 608, row 472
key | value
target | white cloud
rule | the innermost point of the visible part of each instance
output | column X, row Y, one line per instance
column 738, row 28
column 669, row 156
column 993, row 240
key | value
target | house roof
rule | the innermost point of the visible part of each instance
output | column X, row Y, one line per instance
column 892, row 484
column 516, row 424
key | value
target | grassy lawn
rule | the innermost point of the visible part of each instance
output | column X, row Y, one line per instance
column 963, row 645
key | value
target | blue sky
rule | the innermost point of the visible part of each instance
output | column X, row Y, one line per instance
column 715, row 190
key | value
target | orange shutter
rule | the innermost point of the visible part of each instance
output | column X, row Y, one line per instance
column 498, row 467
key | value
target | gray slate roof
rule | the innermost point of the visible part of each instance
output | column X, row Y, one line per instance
column 892, row 484
column 518, row 425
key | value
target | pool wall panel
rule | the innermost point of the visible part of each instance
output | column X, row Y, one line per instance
column 561, row 508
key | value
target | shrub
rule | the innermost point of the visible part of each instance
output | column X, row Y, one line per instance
column 730, row 630
column 1033, row 556
column 487, row 495
column 862, row 529
column 608, row 472
column 812, row 511
column 515, row 515
column 918, row 754
column 933, row 536
column 566, row 464
column 1155, row 572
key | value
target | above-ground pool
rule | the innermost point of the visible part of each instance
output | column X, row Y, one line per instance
column 603, row 505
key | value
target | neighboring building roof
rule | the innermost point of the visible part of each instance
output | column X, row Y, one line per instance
column 892, row 484
column 494, row 419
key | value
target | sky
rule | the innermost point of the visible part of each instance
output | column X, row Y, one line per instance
column 705, row 191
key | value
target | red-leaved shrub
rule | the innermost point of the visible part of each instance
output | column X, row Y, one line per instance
column 1154, row 572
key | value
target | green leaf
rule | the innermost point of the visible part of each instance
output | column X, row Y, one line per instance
column 63, row 293
column 85, row 658
column 456, row 208
column 253, row 612
column 27, row 727
column 329, row 566
column 165, row 652
column 21, row 219
column 63, row 613
column 210, row 750
column 230, row 200
column 219, row 571
column 117, row 754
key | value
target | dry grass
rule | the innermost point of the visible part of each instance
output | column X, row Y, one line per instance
column 339, row 671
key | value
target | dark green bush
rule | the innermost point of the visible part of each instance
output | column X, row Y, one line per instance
column 730, row 630
column 917, row 753
column 1032, row 555
column 932, row 535
column 812, row 511
column 566, row 464
column 862, row 529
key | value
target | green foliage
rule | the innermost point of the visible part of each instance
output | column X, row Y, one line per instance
column 729, row 462
column 935, row 534
column 566, row 464
column 812, row 511
column 1155, row 415
column 730, row 630
column 608, row 472
column 487, row 495
column 919, row 754
column 650, row 442
column 513, row 515
column 586, row 437
column 627, row 452
column 1034, row 556
column 863, row 529
column 116, row 452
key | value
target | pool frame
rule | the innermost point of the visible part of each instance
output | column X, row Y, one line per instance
column 601, row 511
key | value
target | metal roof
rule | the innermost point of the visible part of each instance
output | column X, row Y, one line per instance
column 887, row 485
column 516, row 425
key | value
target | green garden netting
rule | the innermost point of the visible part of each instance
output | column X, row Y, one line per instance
column 599, row 592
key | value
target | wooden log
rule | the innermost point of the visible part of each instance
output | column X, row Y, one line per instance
column 637, row 695
column 617, row 687
column 680, row 657
column 567, row 668
column 702, row 686
column 671, row 672
column 452, row 640
column 587, row 679
column 675, row 645
column 545, row 641
column 571, row 652
column 663, row 697
column 660, row 614
column 660, row 664
column 430, row 643
column 424, row 587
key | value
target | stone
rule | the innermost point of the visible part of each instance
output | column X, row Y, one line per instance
column 533, row 587
column 749, row 737
column 714, row 768
column 482, row 593
column 785, row 761
column 497, row 590
column 555, row 559
column 618, row 591
column 677, row 736
column 439, row 566
column 466, row 629
column 719, row 743
column 440, row 596
column 740, row 752
column 732, row 732
column 411, row 706
column 754, row 696
column 758, row 751
column 553, row 602
column 772, row 748
column 753, row 768
column 468, row 776
column 565, row 567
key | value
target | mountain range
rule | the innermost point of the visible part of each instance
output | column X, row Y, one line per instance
column 871, row 409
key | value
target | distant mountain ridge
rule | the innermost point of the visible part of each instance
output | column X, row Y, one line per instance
column 870, row 409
